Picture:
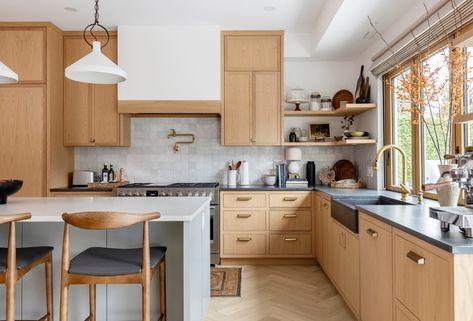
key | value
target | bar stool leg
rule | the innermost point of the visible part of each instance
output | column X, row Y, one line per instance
column 145, row 293
column 92, row 302
column 64, row 301
column 49, row 288
column 10, row 300
column 162, row 289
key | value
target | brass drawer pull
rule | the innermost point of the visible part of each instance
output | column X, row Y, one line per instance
column 325, row 205
column 290, row 199
column 244, row 199
column 243, row 215
column 290, row 215
column 290, row 239
column 416, row 258
column 244, row 239
column 372, row 233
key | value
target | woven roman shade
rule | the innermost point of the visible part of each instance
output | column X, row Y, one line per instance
column 406, row 47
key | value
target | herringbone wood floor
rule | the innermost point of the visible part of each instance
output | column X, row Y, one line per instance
column 282, row 293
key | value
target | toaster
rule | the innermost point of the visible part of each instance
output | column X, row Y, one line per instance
column 82, row 178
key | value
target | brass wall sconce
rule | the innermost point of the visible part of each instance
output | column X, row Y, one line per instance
column 177, row 145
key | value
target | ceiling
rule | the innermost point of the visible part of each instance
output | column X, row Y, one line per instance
column 338, row 29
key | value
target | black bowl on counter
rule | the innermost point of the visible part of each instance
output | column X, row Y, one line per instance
column 9, row 187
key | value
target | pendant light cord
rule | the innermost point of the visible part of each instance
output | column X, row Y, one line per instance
column 90, row 28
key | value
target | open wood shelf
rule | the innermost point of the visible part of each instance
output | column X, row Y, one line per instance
column 350, row 142
column 348, row 110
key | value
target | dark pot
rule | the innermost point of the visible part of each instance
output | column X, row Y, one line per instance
column 8, row 188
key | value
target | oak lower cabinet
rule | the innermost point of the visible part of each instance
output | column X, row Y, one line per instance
column 31, row 122
column 252, row 88
column 259, row 225
column 91, row 111
column 345, row 257
column 323, row 226
column 376, row 269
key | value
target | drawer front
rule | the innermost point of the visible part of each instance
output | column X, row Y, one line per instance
column 244, row 220
column 290, row 244
column 290, row 200
column 290, row 220
column 244, row 200
column 244, row 244
column 421, row 281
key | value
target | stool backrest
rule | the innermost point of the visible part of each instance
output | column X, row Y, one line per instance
column 9, row 218
column 106, row 220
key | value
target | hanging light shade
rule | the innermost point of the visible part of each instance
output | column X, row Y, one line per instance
column 95, row 68
column 7, row 76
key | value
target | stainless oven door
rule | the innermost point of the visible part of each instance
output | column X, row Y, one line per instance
column 214, row 235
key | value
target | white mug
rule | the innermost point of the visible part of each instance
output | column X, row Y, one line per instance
column 232, row 177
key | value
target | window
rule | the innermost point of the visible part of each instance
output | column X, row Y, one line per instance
column 468, row 99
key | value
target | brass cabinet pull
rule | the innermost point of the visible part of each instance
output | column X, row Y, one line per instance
column 290, row 239
column 372, row 233
column 243, row 215
column 325, row 205
column 416, row 258
column 253, row 140
column 244, row 199
column 244, row 239
column 290, row 199
column 342, row 240
column 290, row 215
column 92, row 140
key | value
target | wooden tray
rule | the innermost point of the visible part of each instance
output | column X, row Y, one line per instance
column 107, row 185
column 344, row 169
column 342, row 95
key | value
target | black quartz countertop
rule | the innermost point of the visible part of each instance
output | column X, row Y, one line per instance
column 79, row 189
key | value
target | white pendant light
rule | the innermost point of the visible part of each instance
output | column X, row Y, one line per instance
column 7, row 76
column 95, row 68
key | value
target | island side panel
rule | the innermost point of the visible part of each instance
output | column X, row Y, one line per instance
column 197, row 267
column 124, row 301
column 51, row 234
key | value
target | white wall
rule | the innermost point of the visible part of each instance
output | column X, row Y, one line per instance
column 169, row 63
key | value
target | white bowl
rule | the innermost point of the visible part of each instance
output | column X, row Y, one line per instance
column 357, row 134
column 269, row 180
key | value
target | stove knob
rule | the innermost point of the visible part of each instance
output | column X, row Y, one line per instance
column 170, row 194
column 179, row 193
column 204, row 194
column 121, row 193
column 196, row 194
column 189, row 194
column 211, row 195
column 129, row 194
column 162, row 194
column 143, row 194
column 137, row 194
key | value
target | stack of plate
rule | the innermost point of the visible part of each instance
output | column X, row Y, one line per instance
column 357, row 135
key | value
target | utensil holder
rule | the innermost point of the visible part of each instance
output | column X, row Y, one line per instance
column 232, row 177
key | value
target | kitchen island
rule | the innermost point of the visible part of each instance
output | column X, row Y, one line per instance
column 183, row 227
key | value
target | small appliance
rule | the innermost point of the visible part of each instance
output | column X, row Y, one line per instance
column 82, row 178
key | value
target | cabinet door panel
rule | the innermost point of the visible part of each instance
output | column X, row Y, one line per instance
column 252, row 52
column 338, row 244
column 105, row 118
column 266, row 108
column 24, row 51
column 327, row 238
column 238, row 108
column 77, row 99
column 424, row 289
column 375, row 272
column 22, row 137
column 351, row 266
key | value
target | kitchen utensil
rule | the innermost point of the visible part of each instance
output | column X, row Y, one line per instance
column 359, row 84
column 342, row 95
column 244, row 173
column 82, row 178
column 237, row 167
column 310, row 173
column 9, row 187
column 269, row 180
column 344, row 169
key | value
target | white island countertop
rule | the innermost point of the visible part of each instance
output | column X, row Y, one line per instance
column 50, row 209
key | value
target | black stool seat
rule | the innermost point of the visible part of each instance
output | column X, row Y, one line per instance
column 102, row 261
column 24, row 256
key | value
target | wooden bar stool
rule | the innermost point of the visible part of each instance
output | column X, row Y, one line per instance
column 15, row 263
column 99, row 265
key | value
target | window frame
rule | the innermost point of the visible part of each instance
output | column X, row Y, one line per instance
column 457, row 139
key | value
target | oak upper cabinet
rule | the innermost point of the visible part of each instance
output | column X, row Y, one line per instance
column 345, row 265
column 91, row 111
column 31, row 125
column 252, row 87
column 376, row 272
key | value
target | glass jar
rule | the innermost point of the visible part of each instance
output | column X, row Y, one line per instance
column 315, row 101
column 326, row 104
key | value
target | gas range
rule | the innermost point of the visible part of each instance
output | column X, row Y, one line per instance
column 170, row 190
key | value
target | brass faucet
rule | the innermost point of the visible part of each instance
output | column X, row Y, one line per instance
column 404, row 189
column 177, row 146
